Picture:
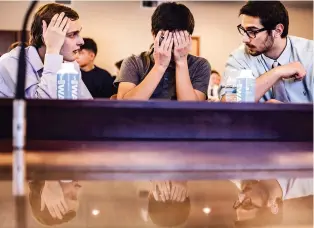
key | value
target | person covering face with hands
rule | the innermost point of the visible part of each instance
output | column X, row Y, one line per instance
column 169, row 190
column 169, row 203
column 167, row 70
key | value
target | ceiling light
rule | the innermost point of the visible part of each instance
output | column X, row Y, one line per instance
column 95, row 212
column 206, row 210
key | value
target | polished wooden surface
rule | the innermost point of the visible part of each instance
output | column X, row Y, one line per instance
column 104, row 139
column 134, row 160
column 161, row 120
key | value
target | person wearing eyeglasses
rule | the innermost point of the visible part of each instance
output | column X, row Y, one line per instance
column 282, row 64
column 261, row 202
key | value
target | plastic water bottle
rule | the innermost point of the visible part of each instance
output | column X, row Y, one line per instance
column 68, row 82
column 230, row 85
column 246, row 86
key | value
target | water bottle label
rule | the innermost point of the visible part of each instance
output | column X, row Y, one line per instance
column 68, row 86
column 230, row 93
column 245, row 90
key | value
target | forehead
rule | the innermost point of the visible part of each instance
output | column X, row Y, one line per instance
column 84, row 51
column 245, row 214
column 215, row 75
column 75, row 26
column 249, row 21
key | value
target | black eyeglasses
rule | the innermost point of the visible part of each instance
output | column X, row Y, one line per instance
column 250, row 33
column 246, row 204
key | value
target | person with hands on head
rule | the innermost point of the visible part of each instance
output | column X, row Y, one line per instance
column 52, row 197
column 167, row 70
column 169, row 190
column 54, row 39
column 54, row 202
column 282, row 64
column 161, row 190
column 168, row 203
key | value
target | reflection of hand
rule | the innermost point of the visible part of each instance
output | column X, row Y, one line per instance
column 52, row 197
column 179, row 191
column 161, row 190
column 54, row 33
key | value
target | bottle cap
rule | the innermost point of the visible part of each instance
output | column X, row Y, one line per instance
column 67, row 65
column 246, row 74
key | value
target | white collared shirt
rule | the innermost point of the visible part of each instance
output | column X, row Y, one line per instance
column 41, row 78
column 296, row 187
column 297, row 49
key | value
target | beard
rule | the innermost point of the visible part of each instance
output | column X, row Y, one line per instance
column 268, row 44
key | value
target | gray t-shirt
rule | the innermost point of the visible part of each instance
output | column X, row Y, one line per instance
column 134, row 70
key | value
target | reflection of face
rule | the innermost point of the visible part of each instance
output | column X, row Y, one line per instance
column 258, row 198
column 72, row 42
column 262, row 43
column 214, row 79
column 85, row 57
column 71, row 193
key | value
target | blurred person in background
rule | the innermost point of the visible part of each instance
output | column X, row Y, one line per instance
column 117, row 71
column 98, row 81
column 117, row 68
column 213, row 87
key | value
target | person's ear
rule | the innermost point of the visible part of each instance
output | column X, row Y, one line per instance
column 278, row 30
column 92, row 55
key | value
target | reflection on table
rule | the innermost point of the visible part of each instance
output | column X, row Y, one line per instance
column 162, row 203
